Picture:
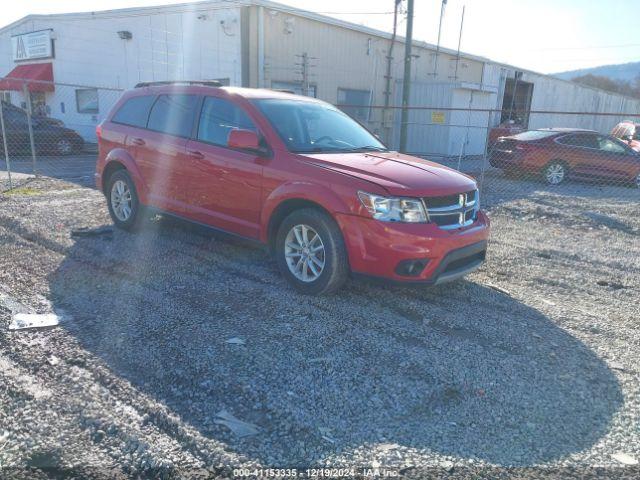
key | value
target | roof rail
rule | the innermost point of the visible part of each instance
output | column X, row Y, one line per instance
column 207, row 83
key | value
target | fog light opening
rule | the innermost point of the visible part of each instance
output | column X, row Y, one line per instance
column 411, row 268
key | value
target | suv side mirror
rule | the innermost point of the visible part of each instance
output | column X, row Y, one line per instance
column 244, row 140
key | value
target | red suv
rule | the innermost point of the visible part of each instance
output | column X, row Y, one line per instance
column 559, row 153
column 294, row 173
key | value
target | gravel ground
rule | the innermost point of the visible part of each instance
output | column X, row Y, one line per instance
column 531, row 364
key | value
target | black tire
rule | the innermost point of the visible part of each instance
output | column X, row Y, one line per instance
column 136, row 219
column 336, row 262
column 555, row 164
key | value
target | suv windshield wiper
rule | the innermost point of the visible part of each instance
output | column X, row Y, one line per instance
column 367, row 148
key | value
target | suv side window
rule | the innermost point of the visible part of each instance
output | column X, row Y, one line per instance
column 218, row 117
column 173, row 114
column 135, row 111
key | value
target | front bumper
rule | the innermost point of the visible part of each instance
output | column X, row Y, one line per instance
column 376, row 248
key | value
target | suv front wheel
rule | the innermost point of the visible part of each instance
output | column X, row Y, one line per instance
column 310, row 252
column 122, row 199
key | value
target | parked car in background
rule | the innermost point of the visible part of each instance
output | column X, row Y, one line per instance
column 628, row 132
column 505, row 129
column 50, row 136
column 294, row 173
column 558, row 153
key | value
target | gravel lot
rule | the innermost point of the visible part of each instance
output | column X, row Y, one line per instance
column 532, row 361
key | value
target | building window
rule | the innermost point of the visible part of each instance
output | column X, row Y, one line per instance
column 39, row 106
column 87, row 100
column 5, row 97
column 295, row 87
column 355, row 103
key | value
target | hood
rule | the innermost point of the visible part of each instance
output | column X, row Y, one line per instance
column 399, row 174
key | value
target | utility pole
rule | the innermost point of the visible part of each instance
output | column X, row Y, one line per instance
column 406, row 81
column 435, row 63
column 455, row 75
column 387, row 89
column 305, row 72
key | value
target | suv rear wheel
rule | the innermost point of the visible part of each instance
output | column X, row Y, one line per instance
column 122, row 199
column 310, row 252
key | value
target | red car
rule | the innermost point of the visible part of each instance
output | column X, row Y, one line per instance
column 294, row 173
column 628, row 132
column 559, row 153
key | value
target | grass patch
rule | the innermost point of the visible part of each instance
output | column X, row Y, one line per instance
column 23, row 191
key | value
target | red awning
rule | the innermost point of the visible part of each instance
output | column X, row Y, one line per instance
column 39, row 78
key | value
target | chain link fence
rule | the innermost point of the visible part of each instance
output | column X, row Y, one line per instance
column 49, row 129
column 519, row 154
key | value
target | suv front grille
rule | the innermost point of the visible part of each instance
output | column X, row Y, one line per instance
column 453, row 211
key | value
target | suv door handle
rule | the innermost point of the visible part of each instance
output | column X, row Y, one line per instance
column 137, row 141
column 195, row 154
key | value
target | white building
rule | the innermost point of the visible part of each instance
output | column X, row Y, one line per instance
column 258, row 43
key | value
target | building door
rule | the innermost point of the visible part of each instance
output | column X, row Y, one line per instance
column 516, row 103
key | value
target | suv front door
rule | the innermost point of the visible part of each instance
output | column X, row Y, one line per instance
column 228, row 192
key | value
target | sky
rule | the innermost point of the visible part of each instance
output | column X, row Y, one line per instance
column 541, row 35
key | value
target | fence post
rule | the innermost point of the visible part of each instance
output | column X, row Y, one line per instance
column 27, row 96
column 486, row 151
column 4, row 142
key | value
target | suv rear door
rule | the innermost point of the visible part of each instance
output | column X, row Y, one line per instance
column 160, row 151
column 226, row 191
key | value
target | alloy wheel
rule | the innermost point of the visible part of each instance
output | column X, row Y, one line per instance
column 121, row 200
column 64, row 146
column 555, row 173
column 304, row 252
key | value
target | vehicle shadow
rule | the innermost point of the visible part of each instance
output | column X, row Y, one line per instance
column 460, row 370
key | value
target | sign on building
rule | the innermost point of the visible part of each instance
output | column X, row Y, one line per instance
column 33, row 45
column 437, row 118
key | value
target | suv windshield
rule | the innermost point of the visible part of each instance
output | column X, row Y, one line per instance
column 309, row 127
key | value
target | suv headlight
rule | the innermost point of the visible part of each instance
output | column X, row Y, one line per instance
column 394, row 209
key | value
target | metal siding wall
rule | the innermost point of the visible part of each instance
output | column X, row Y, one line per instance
column 551, row 94
column 423, row 135
column 164, row 47
column 342, row 60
